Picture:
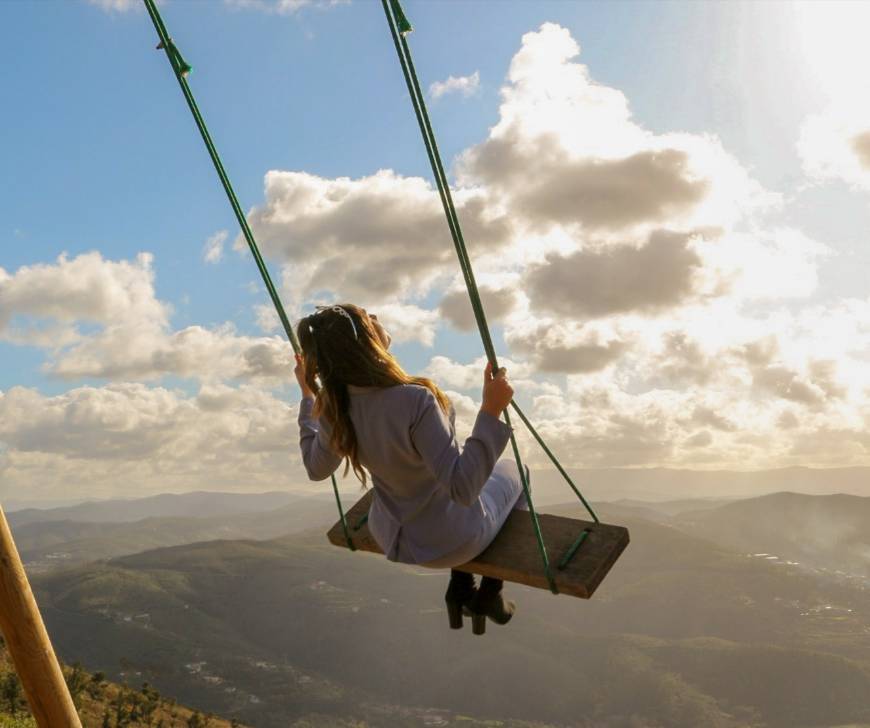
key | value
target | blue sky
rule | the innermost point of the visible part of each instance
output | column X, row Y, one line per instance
column 101, row 154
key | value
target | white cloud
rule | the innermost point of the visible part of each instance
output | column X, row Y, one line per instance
column 377, row 237
column 282, row 7
column 589, row 283
column 497, row 303
column 117, row 6
column 406, row 322
column 565, row 346
column 87, row 288
column 470, row 376
column 741, row 263
column 464, row 85
column 213, row 250
column 835, row 144
column 130, row 439
column 566, row 151
column 128, row 333
column 127, row 353
column 266, row 318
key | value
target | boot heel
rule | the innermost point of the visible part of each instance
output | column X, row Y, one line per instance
column 478, row 623
column 454, row 613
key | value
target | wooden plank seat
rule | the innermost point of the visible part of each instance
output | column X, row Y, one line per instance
column 514, row 555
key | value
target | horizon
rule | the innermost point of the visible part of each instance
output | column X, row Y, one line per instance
column 548, row 496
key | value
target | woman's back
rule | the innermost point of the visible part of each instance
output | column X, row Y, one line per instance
column 426, row 500
column 384, row 421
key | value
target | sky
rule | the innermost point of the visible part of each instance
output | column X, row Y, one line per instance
column 665, row 204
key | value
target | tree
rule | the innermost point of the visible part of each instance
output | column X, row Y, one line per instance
column 10, row 688
column 121, row 713
column 76, row 680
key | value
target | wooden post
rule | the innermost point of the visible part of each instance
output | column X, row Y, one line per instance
column 28, row 642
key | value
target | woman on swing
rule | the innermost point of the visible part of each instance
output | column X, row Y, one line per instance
column 434, row 504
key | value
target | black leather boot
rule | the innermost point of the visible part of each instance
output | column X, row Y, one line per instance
column 460, row 592
column 489, row 602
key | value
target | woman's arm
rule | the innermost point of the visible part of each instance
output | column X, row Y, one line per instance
column 319, row 460
column 462, row 472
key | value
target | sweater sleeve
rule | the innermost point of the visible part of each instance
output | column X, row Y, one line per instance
column 319, row 460
column 462, row 472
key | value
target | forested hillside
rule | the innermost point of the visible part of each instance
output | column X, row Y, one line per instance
column 103, row 704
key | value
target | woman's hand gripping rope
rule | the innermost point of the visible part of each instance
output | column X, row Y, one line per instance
column 497, row 391
column 299, row 371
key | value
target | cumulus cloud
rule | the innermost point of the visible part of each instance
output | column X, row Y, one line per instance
column 589, row 283
column 120, row 353
column 128, row 333
column 700, row 439
column 453, row 375
column 611, row 195
column 682, row 361
column 464, row 85
column 814, row 387
column 567, row 188
column 861, row 147
column 281, row 7
column 556, row 346
column 833, row 141
column 87, row 288
column 117, row 6
column 405, row 322
column 739, row 263
column 707, row 387
column 566, row 151
column 707, row 416
column 382, row 236
column 130, row 439
column 834, row 145
column 213, row 250
column 456, row 306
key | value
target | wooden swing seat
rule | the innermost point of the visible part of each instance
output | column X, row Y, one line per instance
column 514, row 555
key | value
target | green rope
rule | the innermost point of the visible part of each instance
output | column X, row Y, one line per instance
column 182, row 69
column 404, row 53
column 555, row 461
column 584, row 534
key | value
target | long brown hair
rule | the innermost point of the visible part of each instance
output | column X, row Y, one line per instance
column 338, row 350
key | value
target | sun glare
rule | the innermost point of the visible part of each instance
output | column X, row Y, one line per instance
column 833, row 42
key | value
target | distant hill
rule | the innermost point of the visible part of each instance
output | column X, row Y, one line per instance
column 827, row 531
column 666, row 484
column 674, row 507
column 664, row 512
column 647, row 485
column 46, row 545
column 196, row 504
column 293, row 632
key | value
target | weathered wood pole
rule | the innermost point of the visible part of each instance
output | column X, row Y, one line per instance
column 28, row 642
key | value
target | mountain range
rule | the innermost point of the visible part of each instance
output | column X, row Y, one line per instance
column 686, row 630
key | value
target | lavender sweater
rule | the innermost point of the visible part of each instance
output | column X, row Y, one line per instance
column 426, row 490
